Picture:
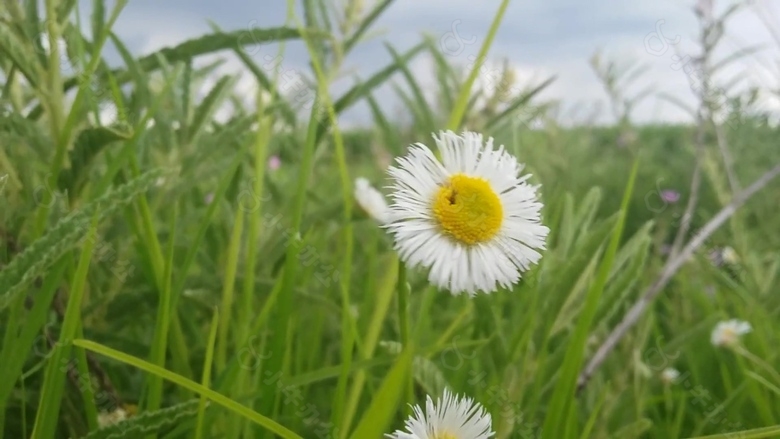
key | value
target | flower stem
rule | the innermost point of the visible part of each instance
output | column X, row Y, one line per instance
column 403, row 322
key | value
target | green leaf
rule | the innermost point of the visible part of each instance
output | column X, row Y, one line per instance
column 365, row 25
column 209, row 106
column 218, row 398
column 98, row 17
column 462, row 103
column 419, row 97
column 17, row 130
column 363, row 89
column 758, row 433
column 426, row 373
column 559, row 414
column 377, row 418
column 148, row 422
column 278, row 100
column 20, row 54
column 520, row 101
column 66, row 234
column 204, row 45
column 139, row 80
column 15, row 353
column 89, row 143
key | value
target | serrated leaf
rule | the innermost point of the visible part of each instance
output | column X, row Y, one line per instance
column 89, row 143
column 204, row 45
column 16, row 128
column 209, row 106
column 147, row 422
column 18, row 52
column 66, row 234
column 520, row 101
column 365, row 25
column 363, row 89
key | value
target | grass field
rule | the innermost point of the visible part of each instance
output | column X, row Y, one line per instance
column 202, row 278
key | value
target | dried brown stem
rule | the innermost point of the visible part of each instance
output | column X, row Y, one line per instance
column 670, row 269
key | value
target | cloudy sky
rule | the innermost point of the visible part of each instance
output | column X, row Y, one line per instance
column 539, row 38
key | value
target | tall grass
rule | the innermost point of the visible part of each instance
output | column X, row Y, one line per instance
column 155, row 265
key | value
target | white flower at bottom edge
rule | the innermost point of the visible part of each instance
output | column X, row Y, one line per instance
column 728, row 333
column 371, row 201
column 450, row 417
column 471, row 219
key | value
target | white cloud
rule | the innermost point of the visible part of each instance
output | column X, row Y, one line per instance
column 539, row 38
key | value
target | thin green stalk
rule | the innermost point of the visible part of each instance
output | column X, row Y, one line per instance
column 161, row 333
column 61, row 132
column 253, row 232
column 402, row 291
column 85, row 384
column 459, row 110
column 561, row 409
column 384, row 297
column 348, row 324
column 56, row 368
column 228, row 283
column 56, row 98
column 741, row 350
column 148, row 232
column 14, row 352
column 54, row 105
column 279, row 345
column 206, row 380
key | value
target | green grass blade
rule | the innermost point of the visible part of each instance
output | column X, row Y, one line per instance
column 206, row 380
column 37, row 257
column 14, row 350
column 757, row 433
column 228, row 283
column 558, row 414
column 379, row 414
column 372, row 16
column 218, row 398
column 205, row 111
column 456, row 117
column 159, row 346
column 47, row 418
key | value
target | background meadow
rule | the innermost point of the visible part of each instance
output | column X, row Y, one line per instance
column 211, row 276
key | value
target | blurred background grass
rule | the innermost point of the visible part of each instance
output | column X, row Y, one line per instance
column 252, row 215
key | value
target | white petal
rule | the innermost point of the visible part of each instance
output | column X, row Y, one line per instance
column 452, row 264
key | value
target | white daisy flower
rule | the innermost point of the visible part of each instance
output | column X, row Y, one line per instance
column 471, row 219
column 371, row 201
column 730, row 256
column 728, row 333
column 450, row 417
column 670, row 375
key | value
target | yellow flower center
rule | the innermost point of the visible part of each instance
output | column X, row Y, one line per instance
column 444, row 435
column 729, row 335
column 469, row 210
